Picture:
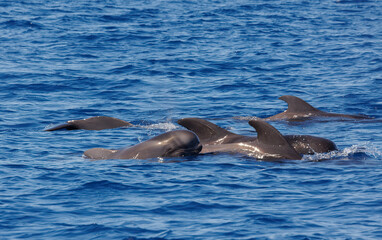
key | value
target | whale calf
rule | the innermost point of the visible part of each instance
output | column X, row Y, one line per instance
column 298, row 109
column 210, row 134
column 176, row 143
column 93, row 123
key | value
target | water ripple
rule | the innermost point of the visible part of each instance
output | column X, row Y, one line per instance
column 153, row 62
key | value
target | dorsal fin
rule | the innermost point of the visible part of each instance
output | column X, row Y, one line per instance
column 206, row 131
column 271, row 139
column 297, row 105
column 267, row 134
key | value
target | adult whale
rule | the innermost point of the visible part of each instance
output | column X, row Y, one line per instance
column 211, row 134
column 298, row 109
column 170, row 144
column 93, row 123
column 269, row 144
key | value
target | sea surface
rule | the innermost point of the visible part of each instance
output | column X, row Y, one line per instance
column 154, row 62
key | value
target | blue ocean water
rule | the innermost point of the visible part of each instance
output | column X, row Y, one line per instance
column 153, row 62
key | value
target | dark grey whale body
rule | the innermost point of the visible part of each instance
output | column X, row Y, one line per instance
column 93, row 123
column 170, row 144
column 211, row 135
column 269, row 145
column 298, row 109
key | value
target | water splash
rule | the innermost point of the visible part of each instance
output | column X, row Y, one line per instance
column 364, row 150
column 164, row 126
column 246, row 118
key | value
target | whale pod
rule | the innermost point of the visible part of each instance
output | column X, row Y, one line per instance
column 211, row 134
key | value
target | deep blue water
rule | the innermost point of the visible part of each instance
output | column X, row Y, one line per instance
column 153, row 62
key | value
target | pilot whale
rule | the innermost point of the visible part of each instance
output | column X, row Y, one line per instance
column 176, row 143
column 210, row 134
column 269, row 144
column 298, row 109
column 93, row 123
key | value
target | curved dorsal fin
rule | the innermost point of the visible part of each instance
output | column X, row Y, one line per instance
column 267, row 134
column 297, row 105
column 271, row 140
column 206, row 131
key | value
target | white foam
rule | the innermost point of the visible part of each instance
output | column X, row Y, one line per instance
column 366, row 148
column 247, row 118
column 164, row 126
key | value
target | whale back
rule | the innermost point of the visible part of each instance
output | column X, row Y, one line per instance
column 307, row 144
column 93, row 123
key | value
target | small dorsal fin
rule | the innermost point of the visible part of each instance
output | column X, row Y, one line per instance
column 297, row 105
column 206, row 131
column 271, row 140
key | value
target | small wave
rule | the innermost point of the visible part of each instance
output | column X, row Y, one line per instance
column 123, row 69
column 197, row 206
column 366, row 148
column 103, row 184
column 267, row 219
column 14, row 166
column 21, row 24
column 354, row 152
